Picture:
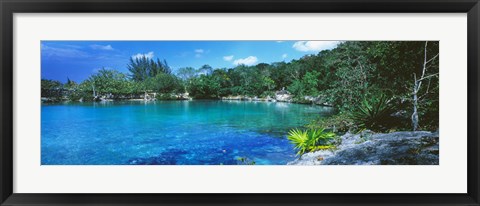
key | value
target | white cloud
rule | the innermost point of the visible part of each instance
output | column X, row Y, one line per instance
column 284, row 56
column 148, row 55
column 228, row 58
column 251, row 60
column 50, row 51
column 101, row 47
column 279, row 41
column 199, row 52
column 308, row 46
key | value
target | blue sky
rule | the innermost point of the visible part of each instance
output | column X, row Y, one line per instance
column 77, row 60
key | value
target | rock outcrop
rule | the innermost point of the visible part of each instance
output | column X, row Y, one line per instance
column 368, row 148
column 283, row 96
column 318, row 100
column 280, row 96
column 246, row 98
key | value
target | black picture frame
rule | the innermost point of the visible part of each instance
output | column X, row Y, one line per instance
column 9, row 7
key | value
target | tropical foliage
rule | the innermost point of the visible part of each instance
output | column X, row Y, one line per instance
column 310, row 140
column 142, row 68
column 351, row 77
column 374, row 113
column 51, row 88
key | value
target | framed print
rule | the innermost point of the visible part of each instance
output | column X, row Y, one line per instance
column 253, row 103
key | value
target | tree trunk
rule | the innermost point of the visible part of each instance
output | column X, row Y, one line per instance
column 418, row 84
column 94, row 93
column 415, row 105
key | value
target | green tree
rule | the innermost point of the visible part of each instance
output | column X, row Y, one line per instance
column 205, row 70
column 51, row 89
column 268, row 83
column 186, row 73
column 141, row 68
column 204, row 87
column 109, row 82
column 164, row 83
column 311, row 83
column 70, row 84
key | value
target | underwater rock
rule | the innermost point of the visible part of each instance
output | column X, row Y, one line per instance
column 165, row 158
column 159, row 160
column 368, row 148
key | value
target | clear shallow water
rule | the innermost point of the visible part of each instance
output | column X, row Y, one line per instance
column 171, row 132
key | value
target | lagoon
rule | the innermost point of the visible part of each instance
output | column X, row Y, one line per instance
column 198, row 132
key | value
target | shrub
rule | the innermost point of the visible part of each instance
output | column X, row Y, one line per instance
column 340, row 122
column 311, row 140
column 271, row 94
column 374, row 114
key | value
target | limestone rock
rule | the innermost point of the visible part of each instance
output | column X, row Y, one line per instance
column 283, row 96
column 368, row 148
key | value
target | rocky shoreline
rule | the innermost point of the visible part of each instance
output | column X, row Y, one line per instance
column 368, row 148
column 281, row 96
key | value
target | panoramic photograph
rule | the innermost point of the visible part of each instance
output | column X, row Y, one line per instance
column 244, row 103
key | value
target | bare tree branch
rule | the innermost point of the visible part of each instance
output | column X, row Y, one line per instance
column 429, row 76
column 431, row 59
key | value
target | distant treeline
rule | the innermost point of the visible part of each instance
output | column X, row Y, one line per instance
column 348, row 76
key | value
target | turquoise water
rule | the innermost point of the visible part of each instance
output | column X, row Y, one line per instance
column 171, row 132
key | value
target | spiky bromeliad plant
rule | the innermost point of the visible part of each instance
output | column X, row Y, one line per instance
column 374, row 114
column 310, row 140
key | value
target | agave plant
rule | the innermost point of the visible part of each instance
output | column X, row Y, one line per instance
column 373, row 114
column 310, row 140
